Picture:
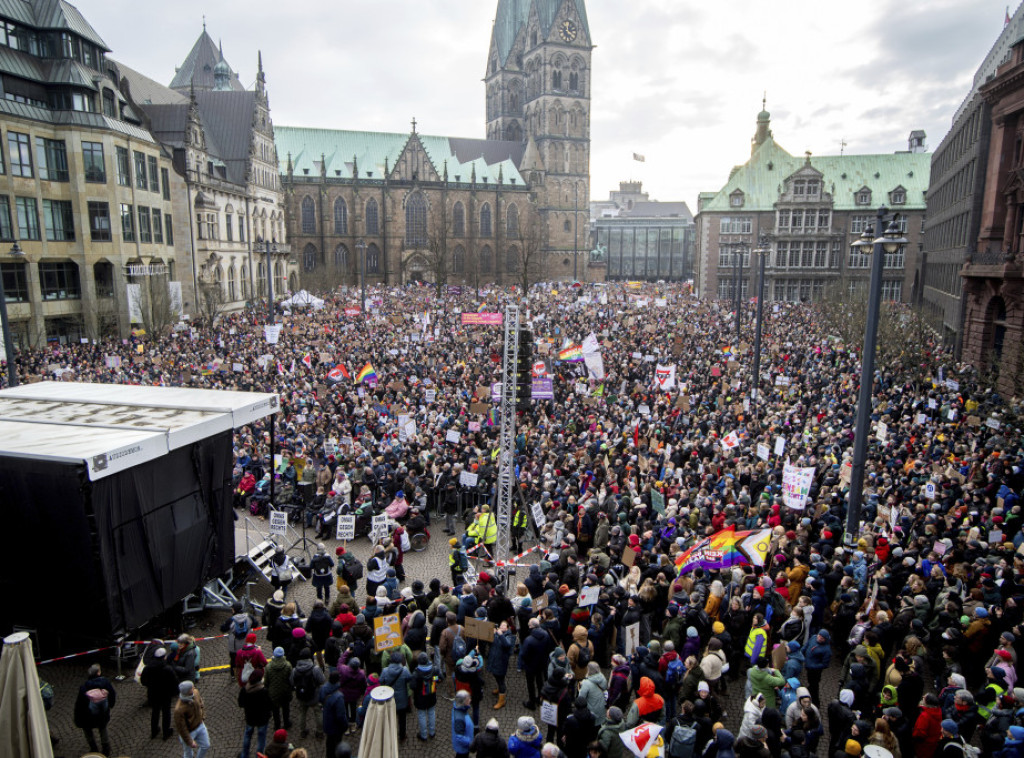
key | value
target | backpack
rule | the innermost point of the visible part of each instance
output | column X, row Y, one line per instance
column 240, row 629
column 305, row 684
column 459, row 647
column 583, row 657
column 675, row 671
column 428, row 685
column 353, row 569
column 683, row 742
column 98, row 703
column 247, row 670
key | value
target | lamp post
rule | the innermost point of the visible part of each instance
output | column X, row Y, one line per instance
column 738, row 251
column 12, row 369
column 361, row 247
column 877, row 247
column 270, row 248
column 763, row 248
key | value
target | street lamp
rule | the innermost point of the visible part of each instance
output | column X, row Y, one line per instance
column 270, row 248
column 361, row 247
column 12, row 370
column 763, row 248
column 738, row 251
column 889, row 242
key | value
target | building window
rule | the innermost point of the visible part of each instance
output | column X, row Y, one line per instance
column 109, row 103
column 28, row 218
column 309, row 258
column 341, row 257
column 20, row 148
column 231, row 284
column 858, row 259
column 511, row 260
column 6, row 229
column 103, row 278
column 459, row 220
column 896, row 260
column 241, row 228
column 228, row 227
column 782, row 219
column 213, row 226
column 168, row 229
column 863, row 197
column 892, row 291
column 512, row 221
column 124, row 167
column 59, row 219
column 373, row 259
column 158, row 227
column 485, row 220
column 15, row 282
column 154, row 174
column 898, row 196
column 459, row 260
column 736, row 199
column 58, row 280
column 372, row 217
column 92, row 162
column 416, row 220
column 340, row 216
column 141, row 181
column 99, row 222
column 824, row 218
column 486, row 260
column 735, row 225
column 165, row 180
column 859, row 223
column 308, row 215
column 145, row 231
column 128, row 223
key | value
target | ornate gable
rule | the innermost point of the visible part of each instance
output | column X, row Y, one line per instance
column 414, row 164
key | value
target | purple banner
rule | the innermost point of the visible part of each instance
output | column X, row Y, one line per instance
column 488, row 319
column 543, row 389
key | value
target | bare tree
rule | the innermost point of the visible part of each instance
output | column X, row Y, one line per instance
column 439, row 249
column 210, row 300
column 324, row 278
column 527, row 246
column 149, row 298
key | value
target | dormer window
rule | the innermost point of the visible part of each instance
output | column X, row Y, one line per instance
column 863, row 196
column 898, row 196
column 806, row 188
column 736, row 199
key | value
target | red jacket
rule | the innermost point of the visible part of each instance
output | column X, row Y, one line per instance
column 927, row 731
column 251, row 653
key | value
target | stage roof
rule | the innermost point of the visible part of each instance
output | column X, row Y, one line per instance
column 112, row 427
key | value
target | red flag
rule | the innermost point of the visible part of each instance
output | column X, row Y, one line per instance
column 1007, row 21
column 636, row 435
column 307, row 360
column 344, row 371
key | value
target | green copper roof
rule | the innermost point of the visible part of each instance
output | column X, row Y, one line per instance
column 370, row 149
column 761, row 178
column 512, row 15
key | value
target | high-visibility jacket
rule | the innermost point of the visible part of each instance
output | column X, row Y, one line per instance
column 486, row 528
column 757, row 644
column 986, row 710
column 519, row 520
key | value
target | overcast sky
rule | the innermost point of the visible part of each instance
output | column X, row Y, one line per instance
column 676, row 80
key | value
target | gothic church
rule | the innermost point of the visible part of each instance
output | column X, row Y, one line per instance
column 512, row 208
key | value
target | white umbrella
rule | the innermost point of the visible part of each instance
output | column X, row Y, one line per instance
column 380, row 729
column 23, row 729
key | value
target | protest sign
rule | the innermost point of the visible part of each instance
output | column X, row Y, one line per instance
column 346, row 528
column 796, row 485
column 278, row 523
column 387, row 632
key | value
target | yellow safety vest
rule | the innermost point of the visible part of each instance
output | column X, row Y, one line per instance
column 752, row 642
column 984, row 710
column 486, row 528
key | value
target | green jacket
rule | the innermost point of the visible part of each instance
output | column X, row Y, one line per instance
column 673, row 630
column 764, row 681
column 276, row 680
column 609, row 738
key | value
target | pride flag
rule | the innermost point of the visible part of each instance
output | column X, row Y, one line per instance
column 366, row 374
column 572, row 354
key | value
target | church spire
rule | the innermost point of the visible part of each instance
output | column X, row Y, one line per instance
column 764, row 131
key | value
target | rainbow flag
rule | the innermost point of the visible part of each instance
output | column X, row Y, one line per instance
column 572, row 354
column 366, row 374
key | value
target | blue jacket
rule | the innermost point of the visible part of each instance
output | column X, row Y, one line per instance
column 462, row 728
column 397, row 676
column 818, row 655
column 794, row 665
column 1011, row 749
column 335, row 716
column 500, row 652
column 518, row 748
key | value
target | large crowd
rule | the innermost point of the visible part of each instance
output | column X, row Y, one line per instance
column 628, row 473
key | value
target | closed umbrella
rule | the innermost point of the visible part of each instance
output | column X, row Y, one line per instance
column 380, row 729
column 23, row 728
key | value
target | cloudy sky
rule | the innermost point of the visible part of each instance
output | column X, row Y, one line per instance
column 678, row 81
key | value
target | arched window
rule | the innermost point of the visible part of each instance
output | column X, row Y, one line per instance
column 309, row 257
column 485, row 220
column 459, row 260
column 372, row 217
column 340, row 216
column 459, row 220
column 308, row 217
column 341, row 257
column 486, row 259
column 280, row 283
column 261, row 278
column 373, row 259
column 512, row 221
column 514, row 132
column 232, row 295
column 416, row 220
column 244, row 280
column 511, row 259
column 556, row 79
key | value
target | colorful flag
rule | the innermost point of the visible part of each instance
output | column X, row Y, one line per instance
column 639, row 158
column 665, row 377
column 307, row 359
column 727, row 548
column 366, row 374
column 336, row 374
column 572, row 354
column 599, row 392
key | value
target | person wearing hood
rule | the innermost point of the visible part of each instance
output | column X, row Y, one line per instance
column 927, row 729
column 250, row 653
column 425, row 680
column 857, row 683
column 397, row 676
column 579, row 730
column 558, row 661
column 161, row 685
column 620, row 684
column 752, row 708
column 593, row 689
column 608, row 734
column 497, row 660
column 533, row 656
column 788, row 695
column 720, row 745
column 753, row 744
column 556, row 690
column 416, row 635
column 467, row 677
column 318, row 628
column 306, row 679
column 254, row 699
column 580, row 653
column 335, row 710
column 840, row 719
column 648, row 706
column 352, row 683
column 277, row 679
column 794, row 660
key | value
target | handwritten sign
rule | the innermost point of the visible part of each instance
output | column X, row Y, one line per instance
column 387, row 632
column 278, row 523
column 762, row 451
column 468, row 479
column 453, row 436
column 589, row 595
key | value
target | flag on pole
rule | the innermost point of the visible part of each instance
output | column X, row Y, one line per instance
column 307, row 360
column 638, row 157
column 366, row 374
column 1007, row 21
column 571, row 354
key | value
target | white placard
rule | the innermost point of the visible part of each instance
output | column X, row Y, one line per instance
column 589, row 595
column 953, row 385
column 272, row 333
column 932, row 404
column 278, row 523
column 780, row 445
column 379, row 527
column 549, row 713
column 644, row 410
column 921, row 419
column 468, row 479
column 882, row 431
column 929, row 490
column 632, row 638
column 430, row 395
column 453, row 436
column 346, row 528
column 796, row 485
column 537, row 511
column 762, row 451
column 992, row 423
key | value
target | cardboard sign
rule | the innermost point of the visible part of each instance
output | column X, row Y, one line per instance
column 549, row 713
column 762, row 451
column 453, row 436
column 278, row 523
column 387, row 632
column 480, row 408
column 346, row 528
column 632, row 638
column 468, row 479
column 479, row 629
column 540, row 603
column 628, row 557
